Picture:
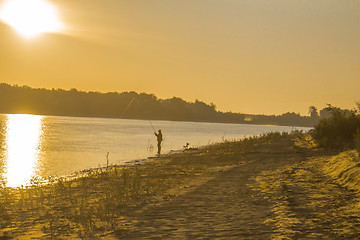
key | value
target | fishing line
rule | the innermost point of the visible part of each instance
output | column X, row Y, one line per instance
column 126, row 108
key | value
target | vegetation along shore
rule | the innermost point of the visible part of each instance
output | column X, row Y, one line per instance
column 275, row 186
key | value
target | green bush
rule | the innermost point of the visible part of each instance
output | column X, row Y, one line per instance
column 337, row 131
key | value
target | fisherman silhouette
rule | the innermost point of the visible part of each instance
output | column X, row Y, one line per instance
column 159, row 140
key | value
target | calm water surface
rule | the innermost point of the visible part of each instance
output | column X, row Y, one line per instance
column 32, row 145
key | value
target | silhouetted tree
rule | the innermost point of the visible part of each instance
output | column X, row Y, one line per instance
column 313, row 112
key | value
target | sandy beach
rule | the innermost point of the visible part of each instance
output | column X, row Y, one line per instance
column 263, row 188
column 277, row 191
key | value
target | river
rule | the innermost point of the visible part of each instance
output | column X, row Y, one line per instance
column 33, row 145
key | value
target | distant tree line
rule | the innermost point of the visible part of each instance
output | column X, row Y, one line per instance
column 132, row 105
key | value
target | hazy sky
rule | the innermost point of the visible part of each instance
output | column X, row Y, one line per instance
column 250, row 56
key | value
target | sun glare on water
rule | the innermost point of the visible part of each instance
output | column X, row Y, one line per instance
column 30, row 18
column 23, row 136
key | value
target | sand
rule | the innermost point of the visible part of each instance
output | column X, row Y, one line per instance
column 268, row 189
column 277, row 191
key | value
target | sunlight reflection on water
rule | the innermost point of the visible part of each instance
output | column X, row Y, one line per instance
column 22, row 141
column 44, row 146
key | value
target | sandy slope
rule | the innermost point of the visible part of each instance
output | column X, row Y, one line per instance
column 277, row 192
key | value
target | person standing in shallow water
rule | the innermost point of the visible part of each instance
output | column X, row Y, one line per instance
column 159, row 140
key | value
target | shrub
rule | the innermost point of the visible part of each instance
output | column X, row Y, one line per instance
column 337, row 131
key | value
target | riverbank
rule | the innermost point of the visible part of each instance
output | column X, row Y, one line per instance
column 257, row 188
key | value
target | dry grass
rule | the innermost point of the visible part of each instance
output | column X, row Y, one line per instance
column 98, row 202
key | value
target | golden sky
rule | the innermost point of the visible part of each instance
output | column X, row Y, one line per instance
column 250, row 56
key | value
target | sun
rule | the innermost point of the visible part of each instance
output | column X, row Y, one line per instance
column 30, row 18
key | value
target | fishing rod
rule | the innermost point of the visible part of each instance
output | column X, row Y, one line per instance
column 147, row 113
column 152, row 125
